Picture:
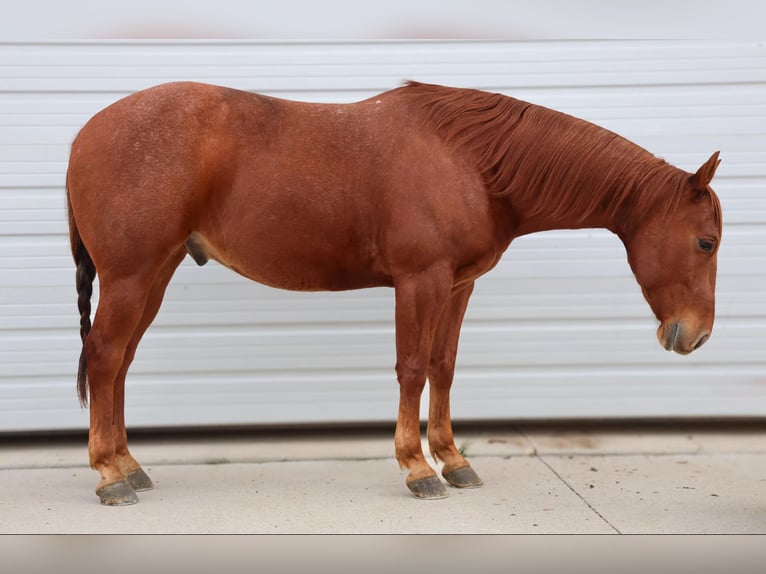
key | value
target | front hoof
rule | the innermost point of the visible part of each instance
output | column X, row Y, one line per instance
column 463, row 477
column 139, row 480
column 119, row 493
column 429, row 488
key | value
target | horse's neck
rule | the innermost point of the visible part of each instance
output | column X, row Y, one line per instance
column 617, row 207
column 526, row 222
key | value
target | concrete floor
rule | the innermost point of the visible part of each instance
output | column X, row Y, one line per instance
column 537, row 479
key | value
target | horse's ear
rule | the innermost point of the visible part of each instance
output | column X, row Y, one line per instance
column 704, row 175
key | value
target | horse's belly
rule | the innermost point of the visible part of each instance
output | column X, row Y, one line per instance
column 307, row 270
column 296, row 276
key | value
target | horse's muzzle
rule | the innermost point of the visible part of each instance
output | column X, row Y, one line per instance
column 676, row 337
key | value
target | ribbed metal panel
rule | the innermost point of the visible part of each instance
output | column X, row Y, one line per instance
column 558, row 329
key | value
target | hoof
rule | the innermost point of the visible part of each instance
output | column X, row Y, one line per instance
column 463, row 477
column 119, row 493
column 430, row 488
column 139, row 480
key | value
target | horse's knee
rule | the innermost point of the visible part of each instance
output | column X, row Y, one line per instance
column 411, row 373
column 441, row 369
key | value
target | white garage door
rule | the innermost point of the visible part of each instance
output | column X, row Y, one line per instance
column 557, row 330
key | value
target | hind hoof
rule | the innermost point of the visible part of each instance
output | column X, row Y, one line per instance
column 428, row 488
column 119, row 493
column 139, row 480
column 463, row 477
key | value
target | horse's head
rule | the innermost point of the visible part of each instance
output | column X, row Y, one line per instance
column 674, row 257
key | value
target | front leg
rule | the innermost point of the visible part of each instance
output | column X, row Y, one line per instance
column 441, row 371
column 420, row 300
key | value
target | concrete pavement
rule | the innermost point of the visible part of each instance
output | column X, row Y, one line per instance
column 537, row 479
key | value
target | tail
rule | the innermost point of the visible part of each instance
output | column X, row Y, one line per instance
column 86, row 273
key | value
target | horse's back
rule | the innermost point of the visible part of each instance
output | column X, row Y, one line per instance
column 292, row 194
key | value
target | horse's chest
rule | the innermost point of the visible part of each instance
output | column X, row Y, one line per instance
column 475, row 269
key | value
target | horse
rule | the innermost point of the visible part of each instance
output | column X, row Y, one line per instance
column 421, row 188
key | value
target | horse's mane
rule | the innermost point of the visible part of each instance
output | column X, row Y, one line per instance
column 555, row 163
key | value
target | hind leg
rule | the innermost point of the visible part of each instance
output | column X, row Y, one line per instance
column 132, row 470
column 121, row 306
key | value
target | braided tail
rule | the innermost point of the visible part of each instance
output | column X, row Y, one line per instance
column 86, row 273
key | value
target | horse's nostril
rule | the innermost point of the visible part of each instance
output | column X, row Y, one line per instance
column 671, row 335
column 701, row 341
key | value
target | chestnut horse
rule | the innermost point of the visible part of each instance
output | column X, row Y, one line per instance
column 421, row 188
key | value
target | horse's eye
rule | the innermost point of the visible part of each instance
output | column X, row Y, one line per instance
column 706, row 245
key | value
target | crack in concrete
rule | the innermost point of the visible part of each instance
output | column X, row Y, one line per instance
column 580, row 496
column 565, row 482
